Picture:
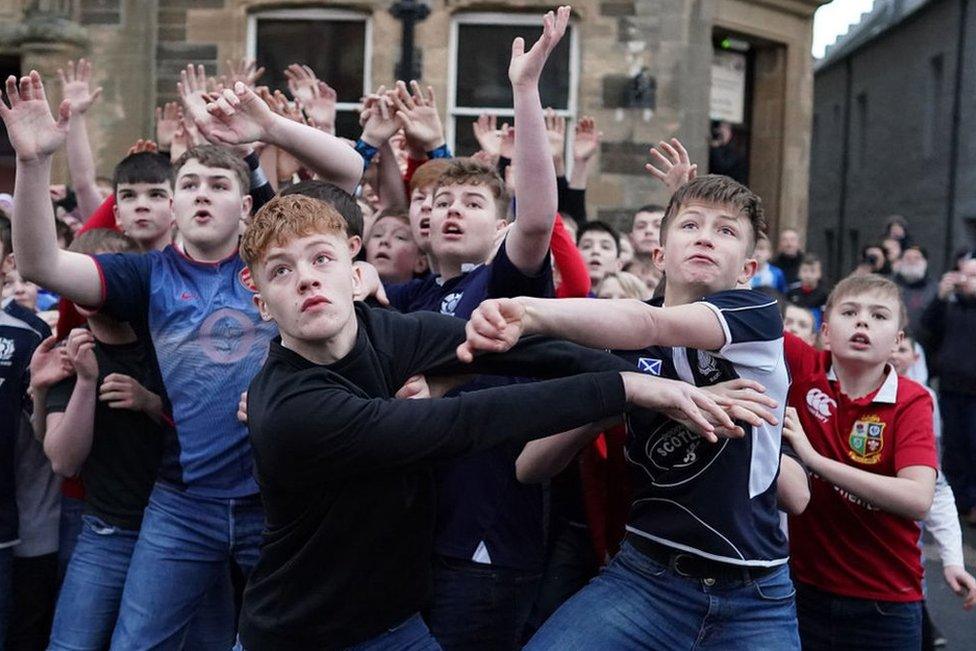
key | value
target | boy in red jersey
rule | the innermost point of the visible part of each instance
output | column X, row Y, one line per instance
column 870, row 448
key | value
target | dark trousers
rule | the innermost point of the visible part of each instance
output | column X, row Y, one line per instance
column 835, row 623
column 479, row 607
column 959, row 445
column 35, row 590
column 570, row 565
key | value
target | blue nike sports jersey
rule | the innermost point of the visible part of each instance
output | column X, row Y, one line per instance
column 717, row 500
column 18, row 339
column 209, row 342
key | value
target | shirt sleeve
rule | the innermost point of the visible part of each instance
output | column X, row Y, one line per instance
column 574, row 278
column 753, row 327
column 125, row 284
column 507, row 281
column 336, row 434
column 914, row 439
column 402, row 294
column 942, row 521
column 58, row 396
column 801, row 357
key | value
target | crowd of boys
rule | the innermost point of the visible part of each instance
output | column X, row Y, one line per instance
column 310, row 393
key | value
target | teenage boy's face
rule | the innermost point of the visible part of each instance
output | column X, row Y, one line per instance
column 463, row 223
column 22, row 291
column 810, row 274
column 421, row 203
column 863, row 328
column 209, row 205
column 799, row 322
column 646, row 233
column 392, row 250
column 904, row 356
column 706, row 249
column 145, row 211
column 306, row 286
column 600, row 254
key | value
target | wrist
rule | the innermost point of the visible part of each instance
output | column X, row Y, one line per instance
column 38, row 162
column 85, row 380
column 272, row 131
column 439, row 151
column 530, row 319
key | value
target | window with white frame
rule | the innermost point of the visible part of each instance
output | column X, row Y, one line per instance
column 481, row 47
column 336, row 44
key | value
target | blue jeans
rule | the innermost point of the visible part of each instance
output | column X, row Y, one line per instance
column 829, row 621
column 70, row 528
column 411, row 635
column 92, row 589
column 183, row 550
column 637, row 603
column 6, row 590
column 479, row 606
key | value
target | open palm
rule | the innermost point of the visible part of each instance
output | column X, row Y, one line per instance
column 32, row 129
column 526, row 67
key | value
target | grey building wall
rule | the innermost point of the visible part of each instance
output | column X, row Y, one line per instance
column 882, row 140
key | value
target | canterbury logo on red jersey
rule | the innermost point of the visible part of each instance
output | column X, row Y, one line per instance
column 820, row 404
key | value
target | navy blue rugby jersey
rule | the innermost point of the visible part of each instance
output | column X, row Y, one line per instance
column 716, row 500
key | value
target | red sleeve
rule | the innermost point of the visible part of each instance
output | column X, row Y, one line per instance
column 914, row 437
column 103, row 217
column 574, row 277
column 801, row 358
column 412, row 165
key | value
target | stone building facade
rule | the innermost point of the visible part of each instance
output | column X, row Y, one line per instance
column 642, row 68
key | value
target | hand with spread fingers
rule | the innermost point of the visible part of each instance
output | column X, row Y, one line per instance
column 76, row 86
column 674, row 167
column 33, row 131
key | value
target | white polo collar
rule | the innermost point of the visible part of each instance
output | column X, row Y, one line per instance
column 888, row 391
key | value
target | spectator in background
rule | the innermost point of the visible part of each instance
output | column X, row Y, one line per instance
column 800, row 322
column 645, row 234
column 950, row 320
column 810, row 293
column 767, row 275
column 621, row 284
column 789, row 255
column 917, row 288
column 896, row 228
column 892, row 249
column 644, row 269
column 600, row 245
column 874, row 260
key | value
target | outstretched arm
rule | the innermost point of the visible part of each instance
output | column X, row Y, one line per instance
column 527, row 244
column 35, row 136
column 622, row 324
column 70, row 434
column 76, row 89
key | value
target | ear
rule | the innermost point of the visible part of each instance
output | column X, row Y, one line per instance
column 7, row 264
column 355, row 246
column 115, row 211
column 749, row 268
column 658, row 258
column 262, row 307
column 246, row 203
column 420, row 266
column 501, row 224
column 357, row 280
column 898, row 339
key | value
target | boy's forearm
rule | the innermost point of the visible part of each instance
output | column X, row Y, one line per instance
column 580, row 174
column 623, row 324
column 543, row 459
column 901, row 496
column 35, row 240
column 535, row 184
column 39, row 415
column 328, row 156
column 81, row 166
column 792, row 486
column 390, row 183
column 68, row 443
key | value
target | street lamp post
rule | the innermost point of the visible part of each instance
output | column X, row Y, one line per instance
column 409, row 12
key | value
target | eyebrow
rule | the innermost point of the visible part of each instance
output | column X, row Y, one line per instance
column 208, row 176
column 874, row 306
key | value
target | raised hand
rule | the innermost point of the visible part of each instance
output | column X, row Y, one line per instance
column 586, row 140
column 76, row 86
column 525, row 68
column 675, row 169
column 244, row 71
column 506, row 142
column 167, row 122
column 494, row 327
column 379, row 118
column 81, row 353
column 302, row 82
column 418, row 113
column 487, row 134
column 143, row 145
column 321, row 109
column 49, row 364
column 556, row 132
column 240, row 116
column 32, row 130
column 192, row 89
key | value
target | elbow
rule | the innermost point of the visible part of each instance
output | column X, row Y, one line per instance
column 63, row 468
column 527, row 472
column 796, row 503
column 921, row 510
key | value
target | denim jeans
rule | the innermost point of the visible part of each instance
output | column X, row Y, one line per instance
column 829, row 621
column 411, row 635
column 570, row 565
column 637, row 603
column 183, row 550
column 92, row 589
column 478, row 606
column 70, row 528
column 6, row 589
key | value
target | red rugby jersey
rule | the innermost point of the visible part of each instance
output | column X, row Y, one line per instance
column 842, row 544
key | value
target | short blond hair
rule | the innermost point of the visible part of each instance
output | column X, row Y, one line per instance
column 632, row 286
column 867, row 284
column 285, row 218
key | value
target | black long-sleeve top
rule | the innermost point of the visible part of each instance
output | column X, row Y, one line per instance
column 951, row 329
column 346, row 472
